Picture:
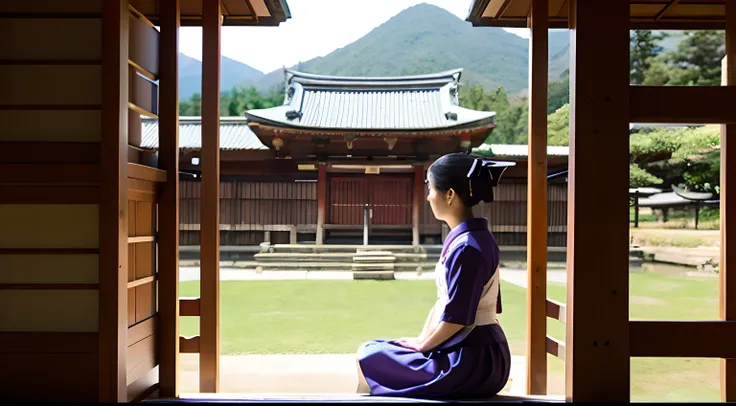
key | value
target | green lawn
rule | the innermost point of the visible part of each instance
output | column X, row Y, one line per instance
column 262, row 317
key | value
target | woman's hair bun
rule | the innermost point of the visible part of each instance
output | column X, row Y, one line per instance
column 483, row 176
column 472, row 178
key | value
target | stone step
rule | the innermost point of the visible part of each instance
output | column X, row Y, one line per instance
column 332, row 266
column 265, row 247
column 336, row 256
column 382, row 258
column 375, row 275
column 372, row 267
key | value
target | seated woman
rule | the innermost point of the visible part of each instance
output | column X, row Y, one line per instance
column 462, row 352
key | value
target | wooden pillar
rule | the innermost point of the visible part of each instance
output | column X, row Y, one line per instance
column 209, row 354
column 727, row 278
column 536, row 326
column 168, row 214
column 417, row 203
column 597, row 338
column 113, row 210
column 321, row 202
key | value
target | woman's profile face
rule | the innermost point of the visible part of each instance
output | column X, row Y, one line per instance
column 437, row 200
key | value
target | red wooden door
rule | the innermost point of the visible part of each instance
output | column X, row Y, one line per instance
column 389, row 197
column 348, row 196
column 391, row 200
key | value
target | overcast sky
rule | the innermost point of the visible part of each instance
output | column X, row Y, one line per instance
column 317, row 27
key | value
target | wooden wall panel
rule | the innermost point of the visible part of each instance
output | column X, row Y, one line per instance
column 143, row 93
column 131, row 218
column 145, row 302
column 142, row 357
column 48, row 343
column 50, row 125
column 144, row 45
column 246, row 202
column 49, row 226
column 49, row 269
column 145, row 221
column 143, row 385
column 61, row 39
column 50, row 85
column 51, row 6
column 50, row 96
column 144, row 264
column 49, row 310
column 49, row 377
column 131, row 307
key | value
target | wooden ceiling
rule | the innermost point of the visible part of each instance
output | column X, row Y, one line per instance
column 235, row 12
column 645, row 14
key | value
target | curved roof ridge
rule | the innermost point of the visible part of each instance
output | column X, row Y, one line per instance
column 455, row 74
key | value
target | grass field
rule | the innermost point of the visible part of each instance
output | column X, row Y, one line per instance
column 309, row 316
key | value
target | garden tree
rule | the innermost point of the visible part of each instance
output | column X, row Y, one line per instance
column 558, row 93
column 644, row 46
column 558, row 126
column 191, row 107
column 695, row 61
column 638, row 177
column 236, row 101
column 240, row 99
column 686, row 157
column 510, row 114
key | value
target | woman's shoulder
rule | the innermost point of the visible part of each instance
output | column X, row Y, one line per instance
column 473, row 248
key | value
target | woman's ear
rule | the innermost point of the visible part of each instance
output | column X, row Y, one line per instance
column 450, row 196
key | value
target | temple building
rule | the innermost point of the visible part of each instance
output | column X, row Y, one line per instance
column 345, row 156
column 338, row 152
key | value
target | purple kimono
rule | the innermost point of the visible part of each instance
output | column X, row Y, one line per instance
column 476, row 361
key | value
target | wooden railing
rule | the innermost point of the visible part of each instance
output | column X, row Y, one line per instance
column 556, row 311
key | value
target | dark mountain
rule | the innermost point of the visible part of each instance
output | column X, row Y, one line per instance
column 426, row 38
column 232, row 73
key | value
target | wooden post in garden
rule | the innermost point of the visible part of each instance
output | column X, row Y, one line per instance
column 321, row 202
column 536, row 327
column 209, row 358
column 597, row 337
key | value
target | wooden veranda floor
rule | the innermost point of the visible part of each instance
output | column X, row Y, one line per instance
column 338, row 398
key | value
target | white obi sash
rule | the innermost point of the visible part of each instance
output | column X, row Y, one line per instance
column 486, row 312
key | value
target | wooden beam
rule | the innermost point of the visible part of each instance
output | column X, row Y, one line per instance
column 727, row 277
column 417, row 202
column 557, row 311
column 682, row 104
column 189, row 345
column 683, row 339
column 19, row 342
column 555, row 347
column 142, row 330
column 168, row 213
column 189, row 306
column 50, row 174
column 113, row 222
column 664, row 9
column 209, row 321
column 597, row 337
column 143, row 172
column 536, row 319
column 49, row 194
column 50, row 152
column 321, row 202
column 502, row 10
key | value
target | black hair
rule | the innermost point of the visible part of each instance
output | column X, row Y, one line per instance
column 472, row 178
